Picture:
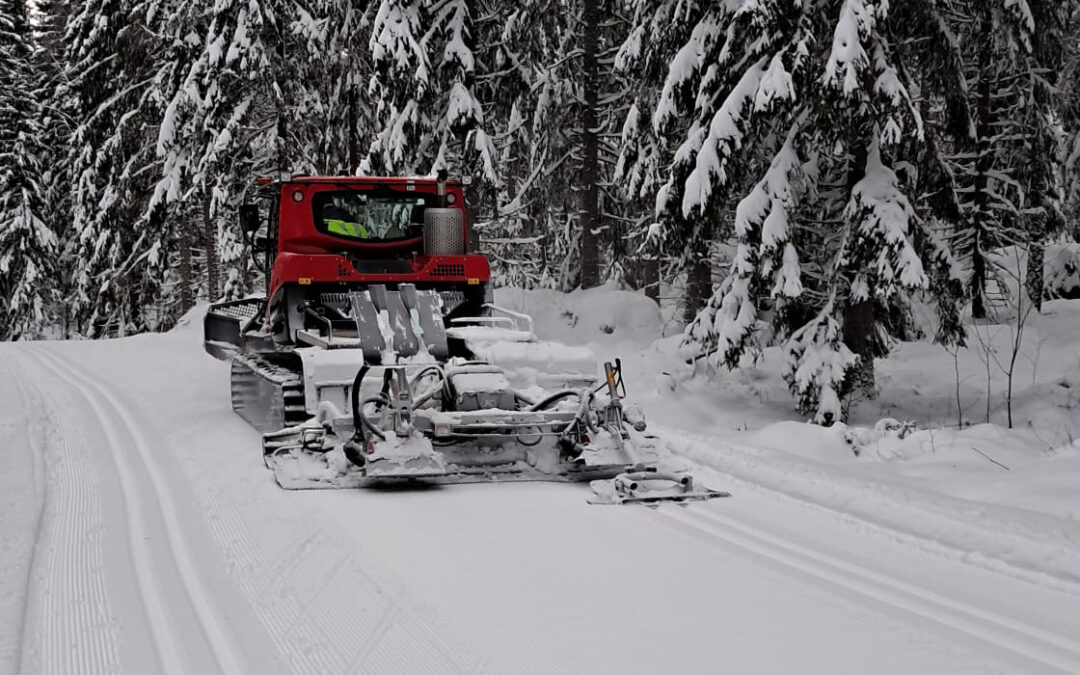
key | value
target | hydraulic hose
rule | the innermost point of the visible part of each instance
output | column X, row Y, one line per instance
column 554, row 398
column 360, row 421
column 366, row 422
column 430, row 369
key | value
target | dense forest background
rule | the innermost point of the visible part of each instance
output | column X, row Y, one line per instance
column 808, row 166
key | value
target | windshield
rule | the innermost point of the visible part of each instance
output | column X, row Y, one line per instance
column 369, row 216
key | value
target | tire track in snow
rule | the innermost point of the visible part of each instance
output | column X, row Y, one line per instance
column 151, row 512
column 68, row 620
column 1032, row 644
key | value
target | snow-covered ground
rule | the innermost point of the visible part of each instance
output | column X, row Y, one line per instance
column 141, row 533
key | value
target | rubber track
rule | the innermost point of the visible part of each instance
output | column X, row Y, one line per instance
column 272, row 389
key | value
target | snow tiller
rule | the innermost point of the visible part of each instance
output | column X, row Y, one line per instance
column 377, row 356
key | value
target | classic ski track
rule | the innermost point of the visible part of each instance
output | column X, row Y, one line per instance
column 67, row 587
column 37, row 448
column 745, row 467
column 328, row 612
column 116, row 420
column 1025, row 640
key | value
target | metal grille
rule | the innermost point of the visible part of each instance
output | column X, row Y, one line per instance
column 448, row 270
column 240, row 312
column 339, row 300
column 444, row 232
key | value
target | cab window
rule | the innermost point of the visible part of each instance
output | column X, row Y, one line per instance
column 368, row 215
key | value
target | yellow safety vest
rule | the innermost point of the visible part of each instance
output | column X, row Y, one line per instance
column 348, row 229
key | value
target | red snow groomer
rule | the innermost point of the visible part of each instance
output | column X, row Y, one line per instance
column 378, row 355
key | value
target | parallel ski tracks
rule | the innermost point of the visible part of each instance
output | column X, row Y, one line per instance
column 65, row 574
column 1037, row 647
column 325, row 609
column 931, row 521
column 151, row 512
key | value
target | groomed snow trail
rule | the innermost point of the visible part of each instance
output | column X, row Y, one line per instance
column 1040, row 548
column 1044, row 648
column 185, row 634
column 151, row 478
column 22, row 507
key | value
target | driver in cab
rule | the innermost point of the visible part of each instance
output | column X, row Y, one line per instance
column 339, row 221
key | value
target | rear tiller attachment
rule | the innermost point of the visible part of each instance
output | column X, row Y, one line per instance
column 462, row 422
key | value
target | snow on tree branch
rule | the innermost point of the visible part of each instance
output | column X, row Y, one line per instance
column 878, row 254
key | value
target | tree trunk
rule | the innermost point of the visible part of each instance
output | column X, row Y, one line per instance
column 650, row 276
column 983, row 163
column 1039, row 223
column 284, row 106
column 1034, row 281
column 184, row 244
column 859, row 319
column 354, row 153
column 859, row 322
column 698, row 281
column 210, row 246
column 590, row 163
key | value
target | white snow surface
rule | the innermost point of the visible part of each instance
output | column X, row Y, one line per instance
column 141, row 533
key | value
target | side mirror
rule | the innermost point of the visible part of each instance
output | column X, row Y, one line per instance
column 263, row 244
column 250, row 221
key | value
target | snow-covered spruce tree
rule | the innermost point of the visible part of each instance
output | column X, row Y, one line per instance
column 554, row 175
column 1003, row 163
column 821, row 79
column 251, row 90
column 27, row 242
column 930, row 55
column 340, row 69
column 1044, row 58
column 115, row 251
column 530, row 234
column 659, row 30
column 426, row 114
column 49, row 23
column 667, row 49
column 208, row 80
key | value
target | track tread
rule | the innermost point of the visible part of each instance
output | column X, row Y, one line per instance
column 268, row 395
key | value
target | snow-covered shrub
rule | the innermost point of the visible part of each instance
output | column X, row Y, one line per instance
column 816, row 365
column 1062, row 278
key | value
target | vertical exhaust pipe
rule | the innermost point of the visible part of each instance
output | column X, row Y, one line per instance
column 440, row 189
column 444, row 226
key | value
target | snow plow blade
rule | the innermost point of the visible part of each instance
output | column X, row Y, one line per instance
column 650, row 488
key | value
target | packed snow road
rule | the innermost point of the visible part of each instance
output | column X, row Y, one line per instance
column 141, row 533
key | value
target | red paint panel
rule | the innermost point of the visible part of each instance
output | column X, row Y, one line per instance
column 331, row 268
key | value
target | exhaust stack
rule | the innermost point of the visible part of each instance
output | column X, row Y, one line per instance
column 444, row 226
column 440, row 189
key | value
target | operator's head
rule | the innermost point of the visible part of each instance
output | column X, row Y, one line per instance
column 334, row 212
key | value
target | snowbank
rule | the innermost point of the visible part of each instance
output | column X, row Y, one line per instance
column 603, row 314
column 1063, row 271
